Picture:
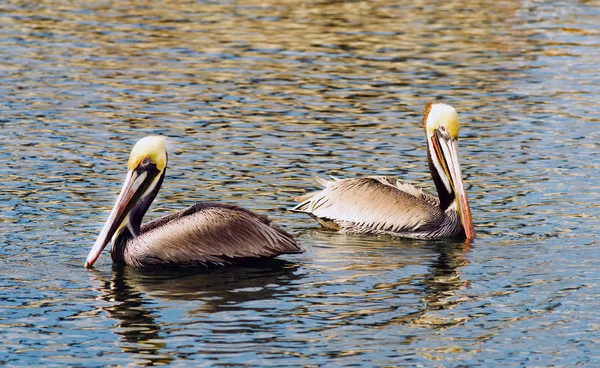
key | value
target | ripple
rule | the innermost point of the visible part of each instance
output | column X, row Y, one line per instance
column 255, row 99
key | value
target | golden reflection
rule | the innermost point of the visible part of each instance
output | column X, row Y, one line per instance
column 342, row 56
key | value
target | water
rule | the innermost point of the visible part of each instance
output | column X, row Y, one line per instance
column 258, row 96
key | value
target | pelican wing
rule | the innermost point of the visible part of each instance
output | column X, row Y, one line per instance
column 373, row 204
column 208, row 233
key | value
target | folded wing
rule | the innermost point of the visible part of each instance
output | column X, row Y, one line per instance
column 209, row 233
column 373, row 205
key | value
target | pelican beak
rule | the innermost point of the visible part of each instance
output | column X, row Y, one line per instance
column 447, row 151
column 133, row 188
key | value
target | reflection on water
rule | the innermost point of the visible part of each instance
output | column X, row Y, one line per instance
column 137, row 299
column 131, row 293
column 256, row 97
column 135, row 321
column 217, row 289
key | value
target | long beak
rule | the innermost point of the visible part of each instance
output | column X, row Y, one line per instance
column 450, row 161
column 118, row 215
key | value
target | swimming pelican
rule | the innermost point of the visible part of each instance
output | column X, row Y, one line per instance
column 205, row 234
column 384, row 205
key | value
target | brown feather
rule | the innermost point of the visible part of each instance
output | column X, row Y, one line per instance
column 377, row 205
column 426, row 113
column 208, row 234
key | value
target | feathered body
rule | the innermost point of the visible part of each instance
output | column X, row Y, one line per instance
column 380, row 205
column 204, row 235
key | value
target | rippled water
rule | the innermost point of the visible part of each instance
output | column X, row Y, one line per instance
column 257, row 96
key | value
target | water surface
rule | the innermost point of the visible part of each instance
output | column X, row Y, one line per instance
column 256, row 97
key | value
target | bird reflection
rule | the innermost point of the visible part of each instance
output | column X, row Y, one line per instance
column 439, row 287
column 362, row 258
column 226, row 287
column 132, row 294
column 136, row 322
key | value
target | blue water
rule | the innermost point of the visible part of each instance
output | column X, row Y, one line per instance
column 255, row 98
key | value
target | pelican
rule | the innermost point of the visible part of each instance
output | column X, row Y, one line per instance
column 384, row 205
column 205, row 234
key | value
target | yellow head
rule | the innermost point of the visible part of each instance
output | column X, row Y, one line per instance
column 150, row 148
column 441, row 116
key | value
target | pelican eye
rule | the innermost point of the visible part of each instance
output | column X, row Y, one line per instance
column 145, row 162
column 442, row 128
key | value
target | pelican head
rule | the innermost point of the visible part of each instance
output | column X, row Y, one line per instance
column 147, row 165
column 442, row 127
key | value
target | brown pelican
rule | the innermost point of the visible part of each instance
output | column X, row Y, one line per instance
column 384, row 205
column 205, row 234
